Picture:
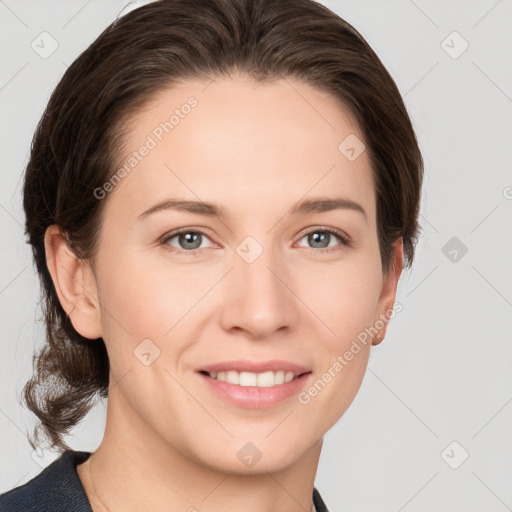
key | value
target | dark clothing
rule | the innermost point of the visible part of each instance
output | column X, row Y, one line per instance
column 58, row 488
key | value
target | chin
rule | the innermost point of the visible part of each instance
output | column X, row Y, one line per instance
column 255, row 456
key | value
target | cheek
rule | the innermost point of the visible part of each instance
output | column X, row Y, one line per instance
column 146, row 296
column 345, row 299
column 148, row 300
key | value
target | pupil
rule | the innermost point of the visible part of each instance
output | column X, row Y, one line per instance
column 318, row 237
column 188, row 238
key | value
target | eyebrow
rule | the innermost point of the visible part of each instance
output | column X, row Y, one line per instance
column 315, row 205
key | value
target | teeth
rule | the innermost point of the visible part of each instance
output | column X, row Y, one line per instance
column 261, row 380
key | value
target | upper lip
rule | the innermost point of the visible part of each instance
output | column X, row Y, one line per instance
column 255, row 366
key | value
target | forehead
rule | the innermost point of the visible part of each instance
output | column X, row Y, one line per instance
column 241, row 142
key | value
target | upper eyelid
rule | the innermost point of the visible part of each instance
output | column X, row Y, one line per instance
column 334, row 231
column 178, row 231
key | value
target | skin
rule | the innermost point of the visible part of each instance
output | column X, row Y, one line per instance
column 256, row 149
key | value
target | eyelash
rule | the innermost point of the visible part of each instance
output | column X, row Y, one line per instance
column 345, row 241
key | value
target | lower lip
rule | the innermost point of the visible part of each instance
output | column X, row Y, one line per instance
column 254, row 397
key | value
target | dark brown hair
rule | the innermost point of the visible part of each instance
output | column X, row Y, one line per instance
column 77, row 141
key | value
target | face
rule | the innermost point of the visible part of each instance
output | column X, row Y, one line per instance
column 264, row 281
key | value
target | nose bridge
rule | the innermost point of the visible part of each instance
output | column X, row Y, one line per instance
column 259, row 301
column 257, row 267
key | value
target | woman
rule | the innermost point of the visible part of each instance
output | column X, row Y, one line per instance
column 221, row 197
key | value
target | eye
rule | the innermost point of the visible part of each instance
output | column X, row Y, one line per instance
column 189, row 241
column 320, row 238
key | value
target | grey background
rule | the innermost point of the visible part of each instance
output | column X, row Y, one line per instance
column 443, row 373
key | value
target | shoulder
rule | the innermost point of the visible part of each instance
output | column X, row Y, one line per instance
column 57, row 488
column 318, row 501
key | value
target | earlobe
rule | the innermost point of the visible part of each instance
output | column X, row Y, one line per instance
column 74, row 283
column 389, row 286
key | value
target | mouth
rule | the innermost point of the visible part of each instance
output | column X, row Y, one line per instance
column 250, row 390
column 251, row 379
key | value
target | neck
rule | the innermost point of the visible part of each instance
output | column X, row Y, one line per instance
column 136, row 469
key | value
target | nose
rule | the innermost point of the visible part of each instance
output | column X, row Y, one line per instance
column 258, row 296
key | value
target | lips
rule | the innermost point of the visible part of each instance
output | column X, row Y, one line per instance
column 254, row 397
column 255, row 367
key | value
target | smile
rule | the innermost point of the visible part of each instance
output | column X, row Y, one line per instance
column 254, row 390
column 261, row 380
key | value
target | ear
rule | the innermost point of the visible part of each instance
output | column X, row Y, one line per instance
column 389, row 285
column 74, row 283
